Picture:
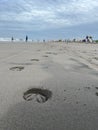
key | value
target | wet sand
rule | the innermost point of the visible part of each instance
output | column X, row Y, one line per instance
column 48, row 86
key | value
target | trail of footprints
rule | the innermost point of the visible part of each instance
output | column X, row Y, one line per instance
column 20, row 67
column 38, row 94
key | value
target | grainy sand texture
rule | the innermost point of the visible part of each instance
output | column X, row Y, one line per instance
column 48, row 86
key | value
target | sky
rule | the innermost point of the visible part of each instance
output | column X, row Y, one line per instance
column 49, row 19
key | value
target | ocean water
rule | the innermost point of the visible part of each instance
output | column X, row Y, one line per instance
column 15, row 39
column 8, row 39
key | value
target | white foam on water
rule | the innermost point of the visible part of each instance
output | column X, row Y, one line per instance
column 15, row 40
column 5, row 39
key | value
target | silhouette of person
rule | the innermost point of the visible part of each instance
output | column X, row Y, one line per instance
column 87, row 38
column 26, row 38
column 43, row 40
column 12, row 39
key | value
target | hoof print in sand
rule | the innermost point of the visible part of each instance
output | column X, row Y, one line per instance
column 34, row 59
column 17, row 68
column 38, row 94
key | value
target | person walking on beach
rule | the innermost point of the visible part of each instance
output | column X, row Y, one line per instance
column 26, row 38
column 12, row 39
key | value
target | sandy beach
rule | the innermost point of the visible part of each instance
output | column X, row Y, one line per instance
column 48, row 86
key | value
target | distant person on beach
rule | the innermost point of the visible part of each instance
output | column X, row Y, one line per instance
column 26, row 38
column 43, row 40
column 12, row 39
column 87, row 39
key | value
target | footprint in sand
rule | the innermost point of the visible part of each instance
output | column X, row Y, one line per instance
column 96, row 87
column 87, row 88
column 96, row 93
column 96, row 58
column 34, row 59
column 51, row 53
column 17, row 68
column 37, row 94
column 48, row 52
column 45, row 56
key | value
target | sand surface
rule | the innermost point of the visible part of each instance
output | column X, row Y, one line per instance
column 68, row 71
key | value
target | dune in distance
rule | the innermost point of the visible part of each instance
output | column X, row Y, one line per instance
column 48, row 86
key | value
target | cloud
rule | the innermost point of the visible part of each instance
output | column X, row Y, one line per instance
column 32, row 9
column 42, row 14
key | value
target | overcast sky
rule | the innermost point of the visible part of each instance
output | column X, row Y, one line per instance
column 49, row 19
